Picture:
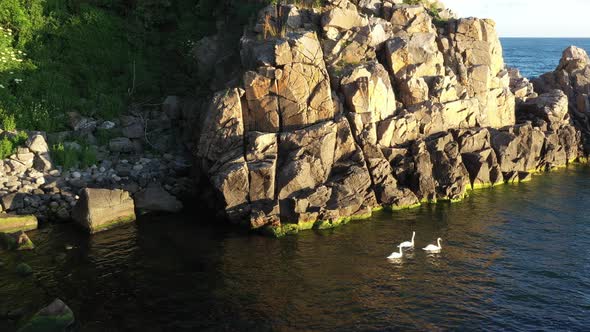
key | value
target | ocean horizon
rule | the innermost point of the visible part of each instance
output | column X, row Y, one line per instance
column 534, row 56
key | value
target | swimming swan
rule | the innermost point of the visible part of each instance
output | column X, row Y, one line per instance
column 432, row 247
column 396, row 255
column 408, row 244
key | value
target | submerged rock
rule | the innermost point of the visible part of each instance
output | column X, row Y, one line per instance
column 57, row 316
column 23, row 269
column 16, row 241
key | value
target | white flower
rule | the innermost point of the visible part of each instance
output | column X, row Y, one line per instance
column 1, row 86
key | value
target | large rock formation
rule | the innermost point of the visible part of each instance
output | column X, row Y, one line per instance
column 572, row 76
column 369, row 104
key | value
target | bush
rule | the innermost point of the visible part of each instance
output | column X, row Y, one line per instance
column 6, row 148
column 97, row 56
column 73, row 157
column 9, row 144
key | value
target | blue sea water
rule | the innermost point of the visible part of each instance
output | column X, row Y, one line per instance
column 536, row 56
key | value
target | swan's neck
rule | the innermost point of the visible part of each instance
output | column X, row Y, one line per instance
column 413, row 236
column 438, row 242
column 400, row 250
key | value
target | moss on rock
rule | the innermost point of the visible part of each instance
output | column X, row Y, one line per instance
column 11, row 223
column 55, row 317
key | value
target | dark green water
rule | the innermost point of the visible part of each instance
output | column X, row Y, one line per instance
column 516, row 257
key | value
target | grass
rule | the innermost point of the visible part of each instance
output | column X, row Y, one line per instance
column 70, row 157
column 98, row 56
column 10, row 142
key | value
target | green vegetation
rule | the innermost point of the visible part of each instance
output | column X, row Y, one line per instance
column 68, row 156
column 103, row 136
column 10, row 142
column 432, row 9
column 98, row 56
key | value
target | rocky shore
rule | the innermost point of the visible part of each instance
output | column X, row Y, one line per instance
column 339, row 110
column 142, row 154
column 364, row 105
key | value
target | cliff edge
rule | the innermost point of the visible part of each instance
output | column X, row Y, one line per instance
column 360, row 105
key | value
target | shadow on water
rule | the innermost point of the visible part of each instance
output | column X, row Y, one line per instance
column 514, row 258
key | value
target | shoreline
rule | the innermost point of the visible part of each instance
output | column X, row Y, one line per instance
column 294, row 229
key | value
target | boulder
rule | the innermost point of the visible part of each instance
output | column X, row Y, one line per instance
column 101, row 209
column 479, row 158
column 368, row 90
column 518, row 148
column 449, row 172
column 14, row 201
column 303, row 88
column 132, row 127
column 121, row 144
column 415, row 55
column 221, row 138
column 57, row 316
column 37, row 144
column 171, row 107
column 262, row 156
column 411, row 19
column 262, row 113
column 232, row 185
column 421, row 180
column 551, row 107
column 80, row 123
column 24, row 270
column 155, row 198
column 343, row 17
column 43, row 162
column 572, row 77
column 16, row 241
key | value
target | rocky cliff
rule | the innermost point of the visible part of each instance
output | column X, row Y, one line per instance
column 360, row 105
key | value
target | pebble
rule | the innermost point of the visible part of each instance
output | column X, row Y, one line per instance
column 51, row 195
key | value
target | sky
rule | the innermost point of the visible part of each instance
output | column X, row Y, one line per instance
column 530, row 18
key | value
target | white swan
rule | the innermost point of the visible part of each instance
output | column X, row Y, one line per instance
column 432, row 247
column 396, row 255
column 408, row 244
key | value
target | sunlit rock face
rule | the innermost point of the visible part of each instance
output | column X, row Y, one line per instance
column 361, row 105
column 572, row 77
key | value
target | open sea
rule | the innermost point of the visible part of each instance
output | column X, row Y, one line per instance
column 514, row 258
column 536, row 56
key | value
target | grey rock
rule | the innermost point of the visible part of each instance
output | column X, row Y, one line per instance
column 155, row 198
column 101, row 209
column 121, row 144
column 13, row 201
column 37, row 144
